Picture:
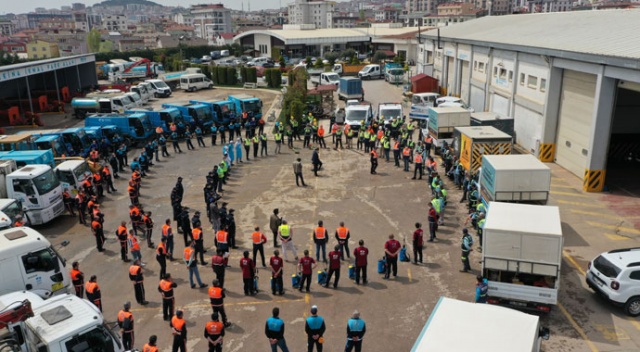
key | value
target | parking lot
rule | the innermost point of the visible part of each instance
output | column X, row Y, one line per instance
column 372, row 207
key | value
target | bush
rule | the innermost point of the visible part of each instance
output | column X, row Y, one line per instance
column 349, row 53
column 243, row 74
column 214, row 75
column 222, row 75
column 307, row 60
column 232, row 76
column 332, row 57
column 252, row 75
column 319, row 63
column 273, row 76
column 355, row 60
column 379, row 56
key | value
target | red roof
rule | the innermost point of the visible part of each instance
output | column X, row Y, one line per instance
column 418, row 77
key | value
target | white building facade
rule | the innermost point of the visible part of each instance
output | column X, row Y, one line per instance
column 318, row 13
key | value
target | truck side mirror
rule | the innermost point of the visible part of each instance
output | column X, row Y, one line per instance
column 544, row 333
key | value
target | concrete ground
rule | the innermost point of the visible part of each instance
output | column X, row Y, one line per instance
column 372, row 206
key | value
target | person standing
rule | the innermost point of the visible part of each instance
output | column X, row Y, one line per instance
column 214, row 332
column 406, row 157
column 198, row 238
column 192, row 264
column 418, row 243
column 134, row 246
column 360, row 255
column 216, row 298
column 320, row 238
column 315, row 328
column 482, row 287
column 320, row 134
column 274, row 223
column 98, row 233
column 286, row 237
column 297, row 170
column 248, row 268
column 258, row 239
column 199, row 137
column 214, row 134
column 433, row 222
column 263, row 144
column 278, row 138
column 161, row 256
column 148, row 226
column 222, row 241
column 137, row 277
column 391, row 249
column 151, row 345
column 218, row 266
column 77, row 278
column 274, row 330
column 315, row 160
column 306, row 266
column 374, row 161
column 125, row 322
column 343, row 235
column 179, row 331
column 418, row 163
column 356, row 328
column 467, row 243
column 165, row 288
column 93, row 292
column 122, row 234
column 255, row 140
column 334, row 266
column 277, row 265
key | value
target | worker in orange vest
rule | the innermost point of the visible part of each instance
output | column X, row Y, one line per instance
column 98, row 232
column 417, row 159
column 406, row 155
column 165, row 288
column 167, row 233
column 179, row 332
column 77, row 279
column 396, row 152
column 374, row 161
column 320, row 238
column 151, row 345
column 258, row 239
column 222, row 240
column 161, row 256
column 321, row 141
column 214, row 332
column 122, row 234
column 125, row 322
column 134, row 246
column 343, row 235
column 216, row 298
column 93, row 292
column 137, row 277
column 192, row 264
column 196, row 234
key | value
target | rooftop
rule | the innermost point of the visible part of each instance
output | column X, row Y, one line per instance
column 328, row 35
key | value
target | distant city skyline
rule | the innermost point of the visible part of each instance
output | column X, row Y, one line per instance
column 29, row 6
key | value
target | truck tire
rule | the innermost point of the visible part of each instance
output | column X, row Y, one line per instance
column 632, row 307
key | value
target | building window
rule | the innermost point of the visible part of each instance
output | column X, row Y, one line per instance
column 480, row 66
column 475, row 65
column 543, row 85
column 532, row 82
column 495, row 71
column 522, row 76
column 503, row 73
column 510, row 76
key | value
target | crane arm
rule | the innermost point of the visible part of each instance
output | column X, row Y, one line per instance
column 19, row 312
column 138, row 63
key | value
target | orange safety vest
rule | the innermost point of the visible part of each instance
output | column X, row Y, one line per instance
column 97, row 177
column 121, row 230
column 221, row 236
column 134, row 212
column 396, row 146
column 75, row 274
column 149, row 348
column 380, row 134
column 91, row 287
column 334, row 128
column 163, row 247
column 159, row 130
column 342, row 233
column 95, row 225
column 122, row 315
column 188, row 253
column 134, row 270
column 428, row 139
column 433, row 165
column 321, row 131
column 406, row 151
column 96, row 211
column 135, row 246
column 215, row 292
column 320, row 232
column 177, row 323
column 196, row 233
column 165, row 230
column 106, row 171
column 166, row 288
column 418, row 158
column 94, row 154
column 214, row 328
column 374, row 154
column 257, row 237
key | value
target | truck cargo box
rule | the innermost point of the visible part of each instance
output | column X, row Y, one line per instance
column 514, row 178
column 475, row 141
column 499, row 121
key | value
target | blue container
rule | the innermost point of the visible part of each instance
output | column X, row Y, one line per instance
column 255, row 283
column 295, row 280
column 322, row 277
column 352, row 272
column 274, row 286
column 381, row 265
column 403, row 255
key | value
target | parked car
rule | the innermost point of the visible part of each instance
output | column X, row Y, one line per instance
column 227, row 62
column 615, row 275
column 206, row 58
column 266, row 64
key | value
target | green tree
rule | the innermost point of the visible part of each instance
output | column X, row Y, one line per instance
column 282, row 63
column 361, row 15
column 331, row 57
column 307, row 60
column 106, row 46
column 318, row 63
column 93, row 41
column 379, row 56
column 355, row 60
column 349, row 54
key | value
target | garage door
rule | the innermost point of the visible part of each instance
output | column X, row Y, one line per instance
column 477, row 98
column 464, row 85
column 576, row 115
column 500, row 104
column 451, row 75
column 528, row 127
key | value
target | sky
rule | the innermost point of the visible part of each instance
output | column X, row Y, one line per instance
column 29, row 5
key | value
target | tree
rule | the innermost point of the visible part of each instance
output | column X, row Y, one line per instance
column 93, row 41
column 362, row 16
column 379, row 56
column 318, row 63
column 307, row 60
column 106, row 46
column 349, row 53
column 282, row 62
column 331, row 57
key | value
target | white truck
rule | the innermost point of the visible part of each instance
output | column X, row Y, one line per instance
column 29, row 262
column 390, row 111
column 326, row 79
column 514, row 178
column 9, row 211
column 36, row 187
column 143, row 90
column 64, row 323
column 522, row 255
column 508, row 330
column 443, row 122
column 358, row 115
column 172, row 79
column 72, row 173
column 371, row 72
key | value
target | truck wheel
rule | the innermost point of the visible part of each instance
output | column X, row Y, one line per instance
column 632, row 307
column 155, row 95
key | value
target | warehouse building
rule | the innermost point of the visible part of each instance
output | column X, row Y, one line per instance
column 570, row 80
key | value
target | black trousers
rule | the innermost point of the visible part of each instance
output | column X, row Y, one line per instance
column 351, row 345
column 329, row 274
column 220, row 310
column 258, row 248
column 277, row 285
column 417, row 170
column 179, row 344
column 299, row 176
column 248, row 285
column 163, row 266
column 417, row 254
column 374, row 166
column 255, row 150
column 100, row 240
column 128, row 340
column 167, row 308
column 138, row 288
column 219, row 271
column 311, row 342
column 79, row 290
column 361, row 271
column 344, row 248
column 392, row 265
column 123, row 251
column 305, row 278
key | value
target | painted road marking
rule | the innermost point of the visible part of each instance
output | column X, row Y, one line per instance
column 409, row 274
column 577, row 327
column 634, row 322
column 616, row 237
column 573, row 262
column 562, row 186
column 580, row 204
column 600, row 215
column 307, row 300
column 611, row 333
column 614, row 227
column 569, row 194
column 199, row 305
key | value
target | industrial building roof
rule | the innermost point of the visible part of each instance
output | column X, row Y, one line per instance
column 329, row 35
column 612, row 33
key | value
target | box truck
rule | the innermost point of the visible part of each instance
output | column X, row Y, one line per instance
column 472, row 142
column 522, row 255
column 514, row 178
column 499, row 121
column 350, row 88
column 443, row 121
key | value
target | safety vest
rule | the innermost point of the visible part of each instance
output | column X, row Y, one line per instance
column 91, row 287
column 94, row 154
column 372, row 137
column 162, row 247
column 133, row 243
column 122, row 231
column 214, row 328
column 406, row 151
column 342, row 232
column 215, row 292
column 134, row 271
column 320, row 232
column 428, row 140
column 76, row 275
column 149, row 348
column 396, row 145
column 166, row 288
column 188, row 254
column 221, row 236
column 418, row 158
column 284, row 230
column 278, row 137
column 366, row 134
column 374, row 154
column 257, row 237
column 95, row 225
column 247, row 142
column 134, row 212
column 380, row 134
column 177, row 323
column 122, row 315
column 334, row 128
column 386, row 144
column 321, row 132
column 256, row 140
column 196, row 233
column 166, row 230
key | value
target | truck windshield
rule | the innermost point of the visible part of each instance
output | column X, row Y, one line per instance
column 206, row 114
column 396, row 72
column 146, row 123
column 108, row 133
column 82, row 172
column 176, row 116
column 358, row 115
column 46, row 182
column 12, row 210
column 333, row 78
column 160, row 84
column 75, row 142
column 606, row 267
column 95, row 340
column 391, row 114
column 252, row 106
column 44, row 260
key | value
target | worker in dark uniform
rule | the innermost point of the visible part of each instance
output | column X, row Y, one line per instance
column 137, row 277
column 216, row 298
column 68, row 202
column 185, row 224
column 98, row 232
column 179, row 331
column 274, row 330
column 374, row 161
column 360, row 254
column 198, row 238
column 482, row 287
column 125, row 322
column 165, row 288
column 418, row 243
column 467, row 243
column 274, row 222
column 81, row 206
column 218, row 266
column 122, row 234
column 306, row 266
column 263, row 144
column 315, row 328
column 77, row 278
column 277, row 264
column 93, row 292
column 151, row 346
column 334, row 266
column 148, row 226
column 256, row 143
column 161, row 256
column 392, row 249
column 231, row 228
column 175, row 141
column 248, row 273
column 162, row 143
column 214, row 332
column 356, row 328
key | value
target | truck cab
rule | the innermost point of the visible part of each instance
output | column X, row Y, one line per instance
column 10, row 208
column 29, row 157
column 72, row 173
column 194, row 114
column 17, row 142
column 160, row 88
column 328, row 78
column 55, row 143
column 390, row 111
column 358, row 115
column 222, row 110
column 143, row 92
column 247, row 103
column 78, row 139
column 371, row 72
column 38, row 189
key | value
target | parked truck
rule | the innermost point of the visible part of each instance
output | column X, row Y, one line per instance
column 326, row 78
column 390, row 111
column 194, row 114
column 222, row 110
column 248, row 103
column 509, row 330
column 72, row 173
column 172, row 79
column 63, row 323
column 358, row 115
column 36, row 187
column 157, row 118
column 134, row 125
column 350, row 88
column 17, row 142
column 10, row 208
column 442, row 123
column 373, row 71
column 514, row 178
column 348, row 69
column 101, row 104
column 472, row 142
column 30, row 157
column 522, row 255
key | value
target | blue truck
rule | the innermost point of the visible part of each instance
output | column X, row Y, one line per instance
column 350, row 88
column 194, row 114
column 247, row 103
column 55, row 143
column 30, row 157
column 136, row 126
column 222, row 110
column 162, row 118
column 71, row 138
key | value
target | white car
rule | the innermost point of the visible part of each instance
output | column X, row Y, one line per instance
column 615, row 275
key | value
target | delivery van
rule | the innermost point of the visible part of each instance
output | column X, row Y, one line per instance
column 29, row 262
column 195, row 81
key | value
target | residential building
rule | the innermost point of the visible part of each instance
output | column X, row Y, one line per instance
column 345, row 21
column 538, row 6
column 387, row 14
column 127, row 43
column 209, row 20
column 183, row 18
column 40, row 49
column 456, row 9
column 318, row 13
column 114, row 23
column 174, row 42
column 56, row 24
column 32, row 20
column 13, row 47
column 7, row 27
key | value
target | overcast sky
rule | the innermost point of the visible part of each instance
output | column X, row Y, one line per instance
column 28, row 5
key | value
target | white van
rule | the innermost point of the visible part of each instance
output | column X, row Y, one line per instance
column 224, row 53
column 258, row 60
column 160, row 88
column 371, row 72
column 194, row 81
column 30, row 263
column 135, row 97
